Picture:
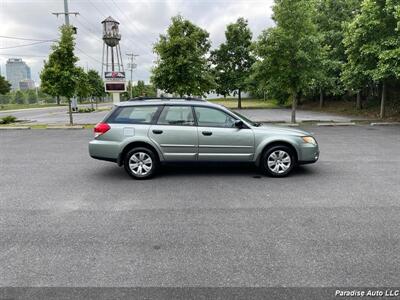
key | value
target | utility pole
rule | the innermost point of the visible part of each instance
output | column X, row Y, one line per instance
column 66, row 13
column 131, row 67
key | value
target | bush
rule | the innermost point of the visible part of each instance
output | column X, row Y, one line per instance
column 5, row 99
column 32, row 97
column 86, row 110
column 19, row 97
column 8, row 120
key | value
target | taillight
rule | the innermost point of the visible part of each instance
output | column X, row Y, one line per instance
column 100, row 129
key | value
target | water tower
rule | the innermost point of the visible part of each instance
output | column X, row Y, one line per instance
column 114, row 74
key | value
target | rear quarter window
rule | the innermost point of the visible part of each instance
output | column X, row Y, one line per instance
column 134, row 115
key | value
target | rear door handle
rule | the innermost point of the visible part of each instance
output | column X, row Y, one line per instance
column 207, row 133
column 156, row 131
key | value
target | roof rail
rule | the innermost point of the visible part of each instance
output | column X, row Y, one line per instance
column 166, row 98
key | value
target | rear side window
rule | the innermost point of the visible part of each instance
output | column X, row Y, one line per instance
column 134, row 115
column 176, row 115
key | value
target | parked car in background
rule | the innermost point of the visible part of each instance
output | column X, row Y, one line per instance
column 143, row 133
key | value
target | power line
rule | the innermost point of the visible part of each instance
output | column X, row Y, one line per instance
column 22, row 55
column 98, row 10
column 25, row 45
column 88, row 55
column 126, row 18
column 89, row 31
column 25, row 39
column 128, row 22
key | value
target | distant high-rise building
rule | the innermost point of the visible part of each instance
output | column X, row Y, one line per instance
column 16, row 71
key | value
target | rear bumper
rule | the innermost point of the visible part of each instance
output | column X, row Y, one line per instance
column 104, row 150
column 104, row 158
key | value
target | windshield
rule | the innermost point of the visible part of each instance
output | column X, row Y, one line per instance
column 247, row 120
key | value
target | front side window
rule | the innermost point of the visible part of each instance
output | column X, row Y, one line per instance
column 210, row 117
column 176, row 115
column 134, row 115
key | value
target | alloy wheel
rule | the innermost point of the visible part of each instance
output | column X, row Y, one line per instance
column 140, row 163
column 279, row 161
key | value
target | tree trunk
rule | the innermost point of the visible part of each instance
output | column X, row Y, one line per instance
column 321, row 98
column 97, row 102
column 58, row 100
column 71, row 122
column 294, row 107
column 358, row 101
column 383, row 100
column 239, row 99
column 91, row 102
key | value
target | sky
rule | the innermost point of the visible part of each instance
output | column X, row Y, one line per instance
column 142, row 21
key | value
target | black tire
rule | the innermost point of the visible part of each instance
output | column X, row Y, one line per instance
column 281, row 168
column 136, row 152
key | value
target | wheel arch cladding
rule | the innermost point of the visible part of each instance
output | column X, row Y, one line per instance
column 136, row 144
column 278, row 143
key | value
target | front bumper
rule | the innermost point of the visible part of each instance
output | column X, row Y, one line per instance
column 309, row 154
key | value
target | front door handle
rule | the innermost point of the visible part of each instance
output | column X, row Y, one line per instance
column 207, row 133
column 157, row 131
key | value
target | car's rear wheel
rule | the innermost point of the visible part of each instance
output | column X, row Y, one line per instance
column 278, row 161
column 140, row 163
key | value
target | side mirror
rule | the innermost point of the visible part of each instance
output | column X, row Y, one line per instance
column 239, row 124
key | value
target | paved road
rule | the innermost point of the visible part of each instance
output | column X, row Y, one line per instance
column 68, row 220
column 58, row 115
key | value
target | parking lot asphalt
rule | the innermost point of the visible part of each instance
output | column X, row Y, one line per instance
column 69, row 220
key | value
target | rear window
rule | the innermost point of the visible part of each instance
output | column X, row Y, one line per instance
column 134, row 115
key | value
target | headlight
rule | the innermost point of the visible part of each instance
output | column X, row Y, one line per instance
column 309, row 140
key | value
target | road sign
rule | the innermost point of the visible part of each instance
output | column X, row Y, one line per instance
column 114, row 75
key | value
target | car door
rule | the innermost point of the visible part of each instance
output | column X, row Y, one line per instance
column 220, row 139
column 175, row 133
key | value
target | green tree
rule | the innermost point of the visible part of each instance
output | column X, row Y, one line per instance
column 5, row 86
column 140, row 88
column 19, row 97
column 32, row 96
column 96, row 85
column 372, row 46
column 233, row 60
column 45, row 97
column 330, row 17
column 82, row 86
column 60, row 76
column 182, row 66
column 288, row 53
column 129, row 91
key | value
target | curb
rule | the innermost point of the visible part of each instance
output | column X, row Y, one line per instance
column 287, row 124
column 337, row 124
column 385, row 123
column 64, row 127
column 14, row 127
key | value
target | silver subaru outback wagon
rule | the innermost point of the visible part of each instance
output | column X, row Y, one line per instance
column 143, row 133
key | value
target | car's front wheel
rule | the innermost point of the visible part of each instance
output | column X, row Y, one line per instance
column 278, row 161
column 140, row 163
